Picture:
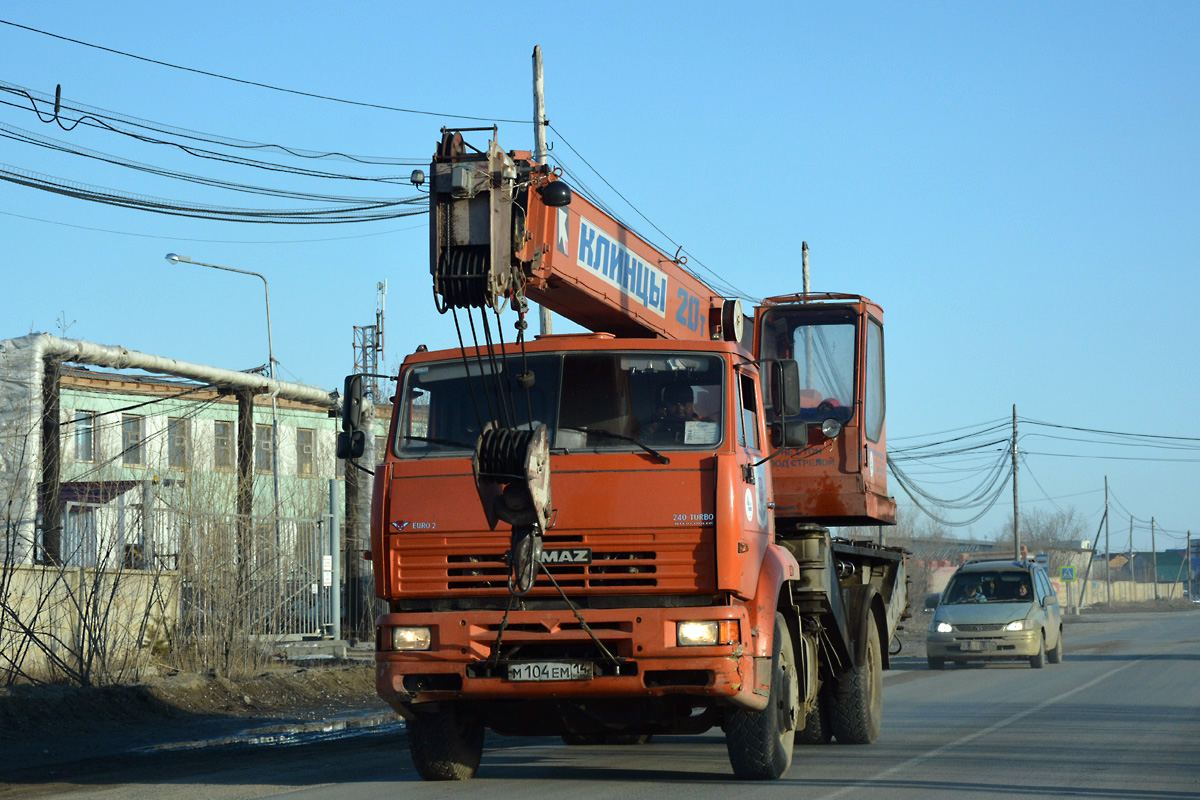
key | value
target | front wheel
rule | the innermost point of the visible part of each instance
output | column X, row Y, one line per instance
column 446, row 745
column 760, row 742
column 857, row 710
column 1038, row 661
column 1055, row 656
column 937, row 663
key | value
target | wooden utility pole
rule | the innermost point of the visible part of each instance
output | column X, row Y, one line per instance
column 1107, row 552
column 245, row 488
column 1154, row 558
column 51, row 484
column 1016, row 503
column 1187, row 559
column 545, row 320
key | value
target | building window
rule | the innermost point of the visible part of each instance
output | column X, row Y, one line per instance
column 179, row 450
column 304, row 451
column 223, row 445
column 263, row 443
column 133, row 449
column 85, row 436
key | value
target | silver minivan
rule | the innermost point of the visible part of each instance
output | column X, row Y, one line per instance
column 996, row 610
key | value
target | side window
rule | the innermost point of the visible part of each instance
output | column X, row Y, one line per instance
column 85, row 436
column 874, row 399
column 223, row 445
column 133, row 452
column 748, row 424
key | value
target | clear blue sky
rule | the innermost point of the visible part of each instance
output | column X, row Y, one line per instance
column 1016, row 183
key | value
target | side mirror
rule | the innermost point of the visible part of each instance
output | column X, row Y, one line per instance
column 785, row 388
column 932, row 600
column 352, row 441
column 1051, row 600
column 351, row 444
column 789, row 433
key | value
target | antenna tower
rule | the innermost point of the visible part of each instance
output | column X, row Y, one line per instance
column 368, row 345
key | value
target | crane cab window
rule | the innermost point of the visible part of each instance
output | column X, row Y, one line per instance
column 824, row 346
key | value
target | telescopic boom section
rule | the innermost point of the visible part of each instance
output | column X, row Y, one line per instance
column 505, row 225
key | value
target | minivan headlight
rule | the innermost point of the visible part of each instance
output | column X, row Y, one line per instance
column 945, row 627
column 1019, row 625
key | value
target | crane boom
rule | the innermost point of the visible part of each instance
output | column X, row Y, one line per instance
column 506, row 225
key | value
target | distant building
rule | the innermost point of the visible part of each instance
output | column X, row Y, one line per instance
column 130, row 441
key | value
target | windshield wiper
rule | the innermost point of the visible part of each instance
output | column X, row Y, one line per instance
column 622, row 437
column 447, row 442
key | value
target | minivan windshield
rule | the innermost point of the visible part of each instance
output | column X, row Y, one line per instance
column 588, row 401
column 999, row 586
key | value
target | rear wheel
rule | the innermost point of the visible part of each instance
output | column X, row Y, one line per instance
column 760, row 742
column 1055, row 656
column 816, row 728
column 857, row 709
column 1039, row 661
column 446, row 745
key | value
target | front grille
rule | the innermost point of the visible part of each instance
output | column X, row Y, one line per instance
column 674, row 561
column 980, row 628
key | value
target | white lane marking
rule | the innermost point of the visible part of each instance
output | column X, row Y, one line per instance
column 1004, row 723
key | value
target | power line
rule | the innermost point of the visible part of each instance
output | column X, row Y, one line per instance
column 211, row 241
column 257, row 83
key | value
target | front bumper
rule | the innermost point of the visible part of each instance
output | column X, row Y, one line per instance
column 649, row 663
column 970, row 645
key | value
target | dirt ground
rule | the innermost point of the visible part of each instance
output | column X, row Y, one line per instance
column 44, row 725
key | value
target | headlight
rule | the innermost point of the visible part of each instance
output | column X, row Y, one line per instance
column 1019, row 625
column 707, row 632
column 410, row 638
column 945, row 627
column 831, row 428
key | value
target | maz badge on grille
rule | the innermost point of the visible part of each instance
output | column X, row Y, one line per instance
column 580, row 555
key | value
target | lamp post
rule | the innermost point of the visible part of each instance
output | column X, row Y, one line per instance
column 174, row 258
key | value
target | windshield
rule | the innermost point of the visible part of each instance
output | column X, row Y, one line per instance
column 989, row 587
column 824, row 349
column 588, row 401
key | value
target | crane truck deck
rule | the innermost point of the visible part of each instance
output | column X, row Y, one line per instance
column 610, row 535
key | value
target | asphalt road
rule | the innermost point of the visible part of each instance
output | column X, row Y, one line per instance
column 1119, row 719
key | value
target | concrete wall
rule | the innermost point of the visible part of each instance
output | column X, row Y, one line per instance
column 113, row 618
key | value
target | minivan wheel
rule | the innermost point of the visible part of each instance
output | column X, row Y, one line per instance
column 1055, row 656
column 1039, row 661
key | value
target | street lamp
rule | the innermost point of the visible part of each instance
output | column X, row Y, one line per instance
column 175, row 258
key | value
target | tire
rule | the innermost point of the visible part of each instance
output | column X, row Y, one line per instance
column 1039, row 661
column 1055, row 656
column 816, row 728
column 856, row 713
column 446, row 745
column 937, row 663
column 760, row 742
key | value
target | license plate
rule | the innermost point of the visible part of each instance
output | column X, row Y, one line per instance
column 976, row 647
column 550, row 671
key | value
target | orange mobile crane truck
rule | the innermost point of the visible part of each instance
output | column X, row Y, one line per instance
column 661, row 486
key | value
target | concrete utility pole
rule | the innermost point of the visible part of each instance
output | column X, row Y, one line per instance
column 1016, row 504
column 1154, row 558
column 1187, row 558
column 1107, row 552
column 545, row 320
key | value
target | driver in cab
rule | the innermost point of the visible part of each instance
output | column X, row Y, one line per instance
column 677, row 409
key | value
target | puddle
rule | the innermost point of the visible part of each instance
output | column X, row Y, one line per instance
column 291, row 734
